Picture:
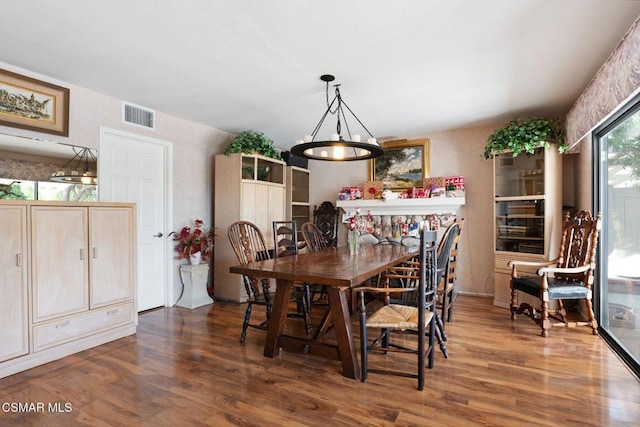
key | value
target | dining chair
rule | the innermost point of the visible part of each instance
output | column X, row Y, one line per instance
column 285, row 243
column 411, row 313
column 313, row 237
column 446, row 291
column 445, row 254
column 249, row 246
column 571, row 278
column 327, row 218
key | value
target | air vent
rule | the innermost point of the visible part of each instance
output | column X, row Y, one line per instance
column 138, row 116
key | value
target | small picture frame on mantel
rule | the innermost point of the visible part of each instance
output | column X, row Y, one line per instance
column 32, row 104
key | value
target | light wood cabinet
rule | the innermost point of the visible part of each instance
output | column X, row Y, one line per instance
column 14, row 325
column 528, row 214
column 81, row 288
column 60, row 269
column 249, row 188
column 110, row 232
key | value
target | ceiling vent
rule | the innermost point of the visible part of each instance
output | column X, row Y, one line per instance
column 138, row 116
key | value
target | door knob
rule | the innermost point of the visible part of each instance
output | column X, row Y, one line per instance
column 158, row 235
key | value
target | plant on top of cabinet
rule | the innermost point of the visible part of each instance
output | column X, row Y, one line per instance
column 525, row 135
column 249, row 141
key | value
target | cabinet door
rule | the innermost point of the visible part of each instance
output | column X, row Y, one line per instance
column 111, row 255
column 60, row 261
column 13, row 282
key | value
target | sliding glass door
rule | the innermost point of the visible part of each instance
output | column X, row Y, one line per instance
column 618, row 198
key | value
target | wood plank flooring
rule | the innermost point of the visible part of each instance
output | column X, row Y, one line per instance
column 186, row 367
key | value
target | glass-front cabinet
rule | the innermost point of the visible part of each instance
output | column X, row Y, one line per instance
column 520, row 226
column 298, row 208
column 258, row 168
column 528, row 213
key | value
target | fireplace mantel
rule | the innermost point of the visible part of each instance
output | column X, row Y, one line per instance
column 403, row 206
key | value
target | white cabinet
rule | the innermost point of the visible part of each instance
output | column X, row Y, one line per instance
column 81, row 287
column 528, row 214
column 13, row 283
column 249, row 188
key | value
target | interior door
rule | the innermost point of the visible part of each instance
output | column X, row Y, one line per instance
column 133, row 168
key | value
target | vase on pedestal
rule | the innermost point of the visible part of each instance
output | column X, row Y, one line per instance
column 195, row 258
column 194, row 281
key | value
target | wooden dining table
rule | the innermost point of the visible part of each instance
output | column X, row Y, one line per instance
column 339, row 271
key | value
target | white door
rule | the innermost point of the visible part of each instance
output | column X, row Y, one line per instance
column 133, row 168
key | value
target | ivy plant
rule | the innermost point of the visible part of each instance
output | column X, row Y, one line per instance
column 525, row 135
column 249, row 141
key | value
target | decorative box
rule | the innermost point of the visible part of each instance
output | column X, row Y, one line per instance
column 421, row 193
column 437, row 182
column 372, row 190
column 454, row 183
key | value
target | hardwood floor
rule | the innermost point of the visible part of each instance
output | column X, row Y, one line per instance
column 186, row 367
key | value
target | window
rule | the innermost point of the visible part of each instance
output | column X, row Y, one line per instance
column 617, row 290
column 46, row 190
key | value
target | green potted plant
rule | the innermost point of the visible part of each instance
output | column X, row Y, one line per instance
column 249, row 141
column 525, row 135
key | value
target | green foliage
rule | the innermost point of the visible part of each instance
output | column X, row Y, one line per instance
column 525, row 135
column 624, row 144
column 249, row 141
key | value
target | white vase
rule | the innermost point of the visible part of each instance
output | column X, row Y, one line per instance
column 195, row 258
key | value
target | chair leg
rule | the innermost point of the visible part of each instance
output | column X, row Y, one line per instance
column 514, row 303
column 245, row 324
column 440, row 334
column 265, row 292
column 363, row 340
column 451, row 299
column 545, row 323
column 592, row 320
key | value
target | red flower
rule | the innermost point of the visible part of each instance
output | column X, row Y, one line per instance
column 196, row 239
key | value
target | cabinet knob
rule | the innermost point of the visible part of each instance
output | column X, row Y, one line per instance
column 159, row 234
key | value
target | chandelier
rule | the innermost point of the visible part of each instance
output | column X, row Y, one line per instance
column 83, row 171
column 337, row 148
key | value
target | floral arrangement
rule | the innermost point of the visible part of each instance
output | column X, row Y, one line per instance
column 194, row 239
column 358, row 222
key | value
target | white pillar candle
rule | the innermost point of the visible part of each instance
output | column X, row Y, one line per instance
column 335, row 137
column 356, row 138
column 308, row 138
column 372, row 141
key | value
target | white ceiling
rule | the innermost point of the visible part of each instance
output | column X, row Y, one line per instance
column 407, row 67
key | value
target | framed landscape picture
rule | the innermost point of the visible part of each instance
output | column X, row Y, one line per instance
column 32, row 104
column 403, row 165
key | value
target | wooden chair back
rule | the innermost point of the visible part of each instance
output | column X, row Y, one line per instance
column 285, row 238
column 247, row 242
column 327, row 217
column 578, row 246
column 313, row 237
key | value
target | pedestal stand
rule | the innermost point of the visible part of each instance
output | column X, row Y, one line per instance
column 194, row 278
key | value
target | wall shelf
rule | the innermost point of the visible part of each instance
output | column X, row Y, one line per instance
column 403, row 206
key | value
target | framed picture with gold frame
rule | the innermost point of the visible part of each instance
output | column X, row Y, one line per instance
column 404, row 164
column 32, row 104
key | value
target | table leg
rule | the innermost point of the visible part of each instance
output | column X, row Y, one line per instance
column 278, row 317
column 344, row 333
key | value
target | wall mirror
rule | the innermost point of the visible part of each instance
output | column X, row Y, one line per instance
column 27, row 166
